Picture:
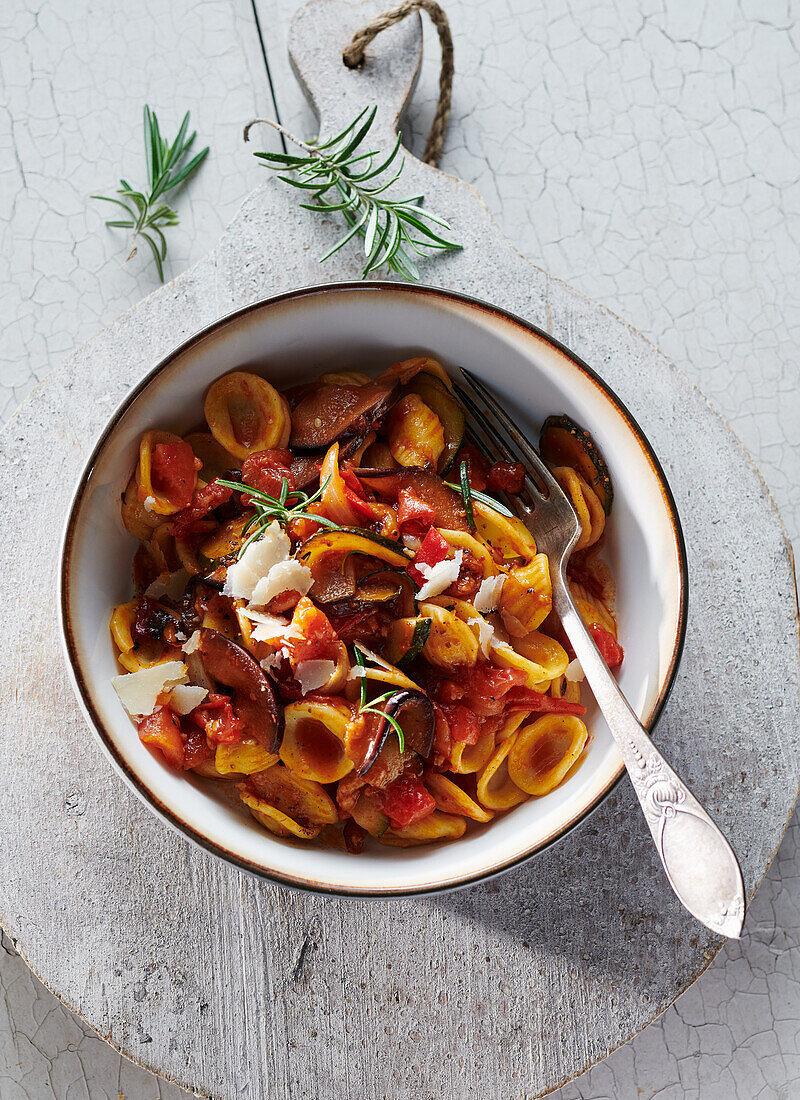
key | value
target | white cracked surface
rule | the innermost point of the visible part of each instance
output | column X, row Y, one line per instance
column 646, row 153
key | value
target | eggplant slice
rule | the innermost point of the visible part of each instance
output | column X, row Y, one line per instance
column 415, row 714
column 337, row 413
column 254, row 699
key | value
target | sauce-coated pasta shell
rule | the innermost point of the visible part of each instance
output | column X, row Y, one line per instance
column 216, row 460
column 505, row 534
column 415, row 433
column 527, row 596
column 562, row 688
column 243, row 758
column 585, row 502
column 158, row 504
column 452, row 799
column 496, row 789
column 591, row 609
column 246, row 414
column 145, row 656
column 436, row 826
column 543, row 752
column 121, row 623
column 463, row 540
column 467, row 759
column 544, row 652
column 287, row 804
column 451, row 643
column 314, row 740
column 137, row 519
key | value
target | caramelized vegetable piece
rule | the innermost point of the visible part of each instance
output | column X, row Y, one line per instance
column 562, row 442
column 166, row 474
column 254, row 698
column 448, row 411
column 414, row 712
column 216, row 460
column 246, row 414
column 335, row 413
column 543, row 752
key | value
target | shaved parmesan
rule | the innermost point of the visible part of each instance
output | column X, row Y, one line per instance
column 311, row 675
column 193, row 643
column 257, row 560
column 269, row 628
column 488, row 595
column 149, row 504
column 185, row 697
column 139, row 691
column 272, row 660
column 440, row 576
column 412, row 542
column 573, row 672
column 356, row 672
column 168, row 584
column 284, row 576
column 484, row 633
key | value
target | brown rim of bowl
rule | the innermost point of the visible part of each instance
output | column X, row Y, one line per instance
column 67, row 631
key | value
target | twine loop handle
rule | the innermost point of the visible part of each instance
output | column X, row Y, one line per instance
column 353, row 58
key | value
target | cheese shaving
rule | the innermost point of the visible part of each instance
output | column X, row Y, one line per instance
column 272, row 660
column 185, row 697
column 485, row 633
column 488, row 595
column 139, row 691
column 356, row 672
column 256, row 562
column 168, row 584
column 440, row 576
column 193, row 643
column 573, row 672
column 311, row 675
column 149, row 504
column 284, row 576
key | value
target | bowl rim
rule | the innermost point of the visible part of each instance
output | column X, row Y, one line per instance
column 77, row 675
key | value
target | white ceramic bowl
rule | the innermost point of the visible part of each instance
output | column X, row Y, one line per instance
column 365, row 326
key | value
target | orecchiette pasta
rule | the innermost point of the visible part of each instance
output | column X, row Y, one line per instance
column 353, row 633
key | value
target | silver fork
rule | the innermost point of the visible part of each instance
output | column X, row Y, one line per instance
column 700, row 864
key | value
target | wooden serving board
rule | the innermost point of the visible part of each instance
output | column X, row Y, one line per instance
column 235, row 987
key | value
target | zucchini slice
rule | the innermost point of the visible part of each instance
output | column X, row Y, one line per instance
column 562, row 442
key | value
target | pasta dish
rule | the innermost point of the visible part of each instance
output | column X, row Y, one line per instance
column 338, row 615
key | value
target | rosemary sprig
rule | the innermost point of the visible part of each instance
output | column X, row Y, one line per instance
column 339, row 176
column 466, row 492
column 474, row 494
column 166, row 169
column 268, row 508
column 371, row 708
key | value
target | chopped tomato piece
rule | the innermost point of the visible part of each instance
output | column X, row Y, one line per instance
column 196, row 749
column 525, row 699
column 508, row 477
column 160, row 730
column 317, row 638
column 173, row 472
column 406, row 800
column 352, row 482
column 433, row 550
column 215, row 716
column 267, row 471
column 464, row 725
column 477, row 466
column 414, row 516
column 205, row 500
column 608, row 645
column 487, row 688
column 150, row 621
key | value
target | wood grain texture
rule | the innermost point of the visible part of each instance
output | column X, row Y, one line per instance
column 515, row 951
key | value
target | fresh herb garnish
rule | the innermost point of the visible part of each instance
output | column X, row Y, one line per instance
column 166, row 169
column 268, row 509
column 466, row 492
column 371, row 707
column 474, row 494
column 339, row 177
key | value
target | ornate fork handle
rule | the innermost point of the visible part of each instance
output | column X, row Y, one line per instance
column 700, row 863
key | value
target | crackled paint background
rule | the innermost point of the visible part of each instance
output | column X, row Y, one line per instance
column 647, row 153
